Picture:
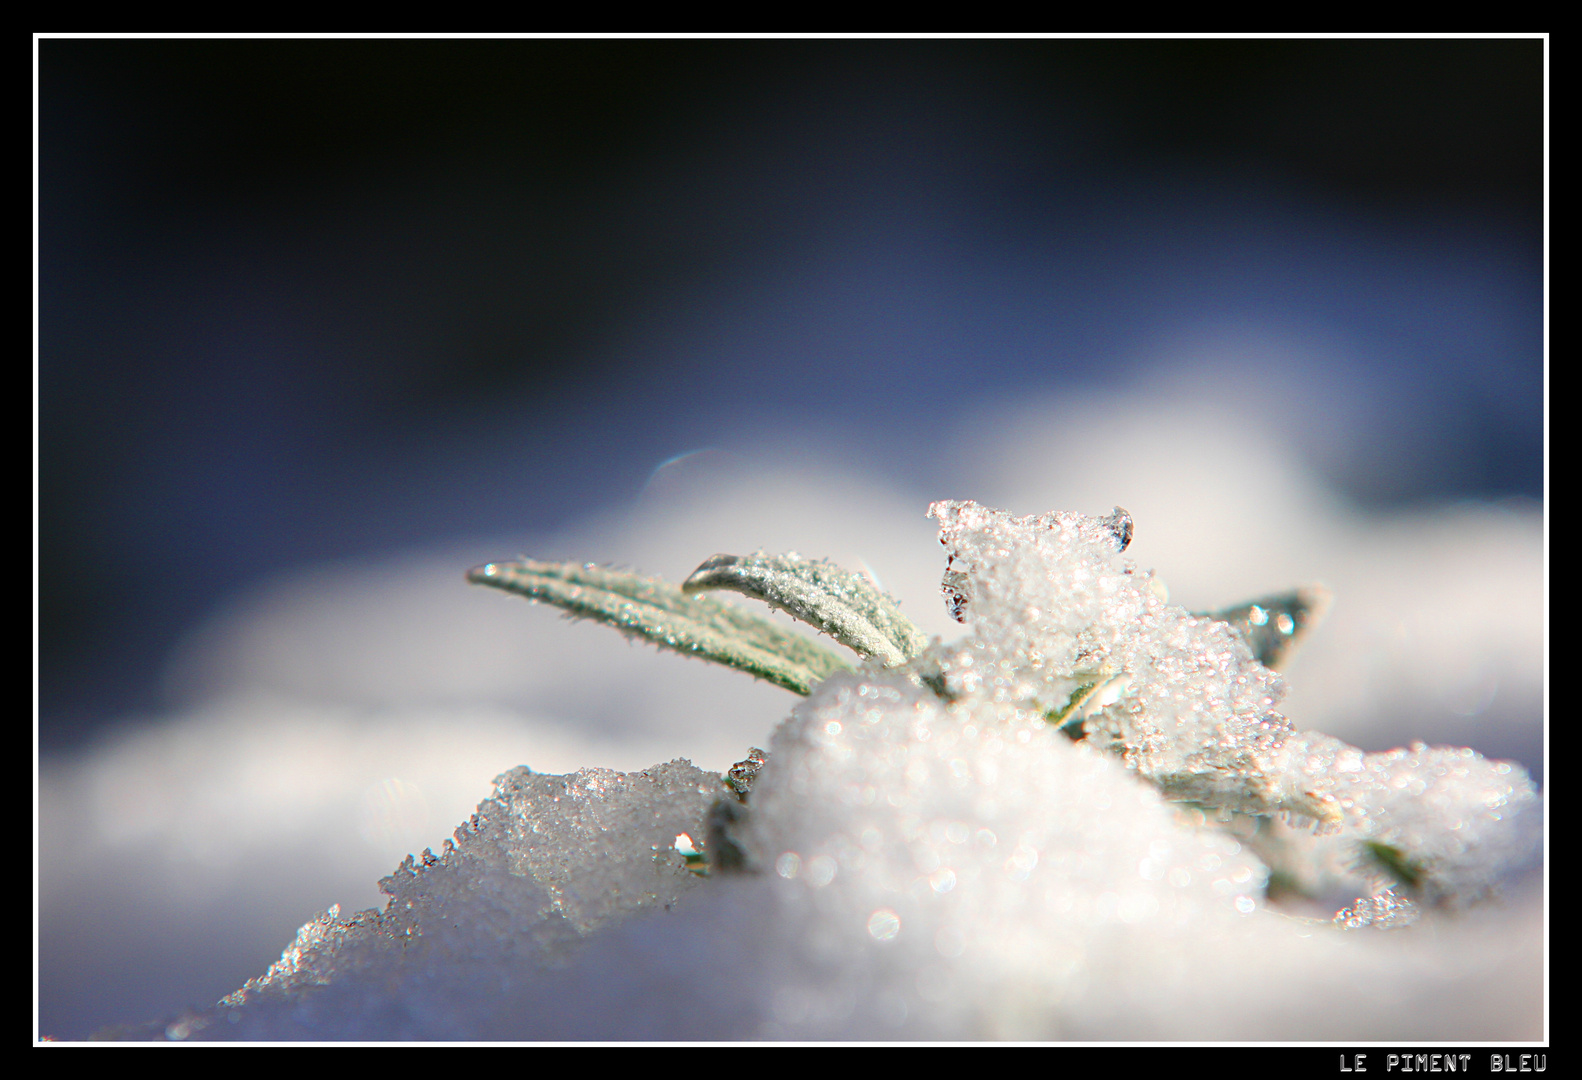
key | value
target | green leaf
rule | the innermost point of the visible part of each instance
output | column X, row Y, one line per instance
column 1062, row 717
column 847, row 606
column 1395, row 862
column 1274, row 624
column 660, row 612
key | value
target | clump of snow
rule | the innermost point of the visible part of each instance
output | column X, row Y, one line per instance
column 983, row 856
column 1051, row 609
column 1387, row 911
column 926, row 870
column 1446, row 819
column 942, row 857
column 544, row 862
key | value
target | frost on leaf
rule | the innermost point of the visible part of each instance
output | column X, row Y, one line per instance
column 843, row 604
column 1057, row 624
column 1273, row 625
column 663, row 614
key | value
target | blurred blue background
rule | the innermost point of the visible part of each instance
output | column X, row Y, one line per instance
column 309, row 300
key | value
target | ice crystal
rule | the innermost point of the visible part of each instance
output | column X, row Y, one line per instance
column 544, row 862
column 1386, row 911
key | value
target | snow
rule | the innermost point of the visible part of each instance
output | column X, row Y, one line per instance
column 930, row 858
column 926, row 871
column 1052, row 608
column 990, row 880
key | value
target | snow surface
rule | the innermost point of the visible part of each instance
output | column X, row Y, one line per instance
column 359, row 711
column 941, row 866
column 925, row 872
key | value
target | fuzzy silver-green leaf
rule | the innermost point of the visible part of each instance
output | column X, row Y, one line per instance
column 658, row 611
column 847, row 606
column 1274, row 625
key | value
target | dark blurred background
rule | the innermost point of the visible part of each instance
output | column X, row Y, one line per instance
column 307, row 300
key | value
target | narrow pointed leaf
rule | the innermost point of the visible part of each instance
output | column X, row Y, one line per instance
column 1395, row 861
column 658, row 611
column 1273, row 625
column 1098, row 691
column 847, row 606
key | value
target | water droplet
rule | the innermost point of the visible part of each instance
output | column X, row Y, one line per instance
column 884, row 925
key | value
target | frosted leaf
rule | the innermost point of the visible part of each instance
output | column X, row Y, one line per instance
column 661, row 613
column 843, row 604
column 1273, row 625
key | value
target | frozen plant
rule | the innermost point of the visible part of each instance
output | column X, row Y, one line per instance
column 1062, row 630
column 1063, row 824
